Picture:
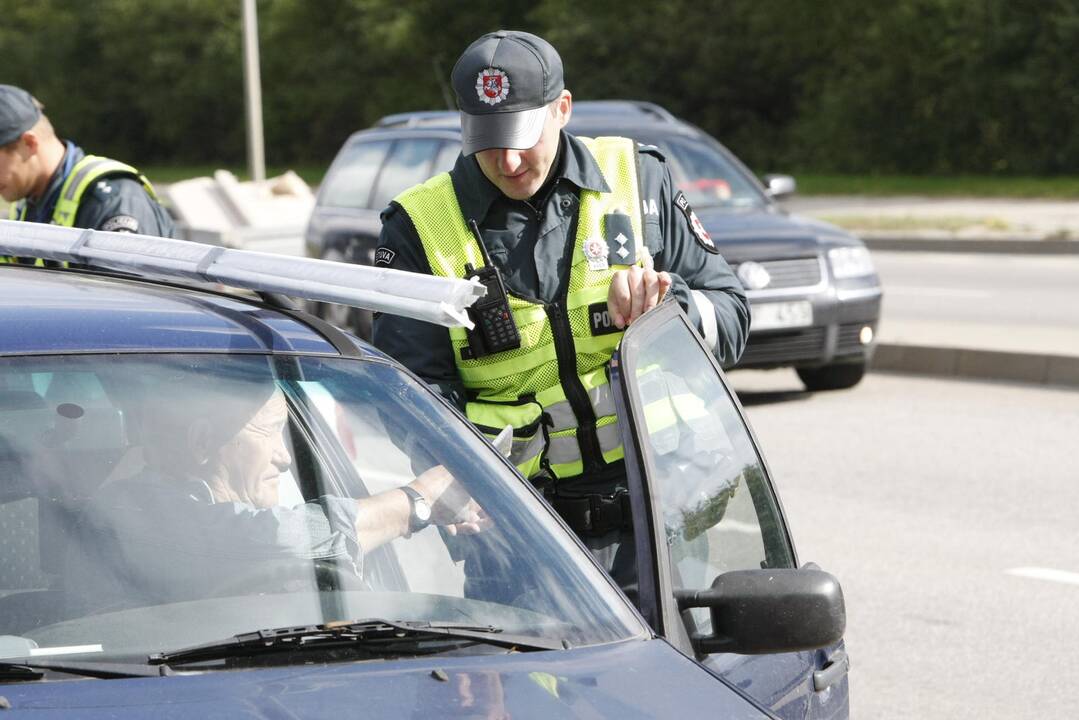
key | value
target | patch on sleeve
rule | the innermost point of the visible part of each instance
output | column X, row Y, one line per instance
column 121, row 223
column 702, row 236
column 384, row 256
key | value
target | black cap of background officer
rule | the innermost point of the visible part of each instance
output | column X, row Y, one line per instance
column 18, row 113
column 504, row 82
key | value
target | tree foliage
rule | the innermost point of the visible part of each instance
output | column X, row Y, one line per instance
column 909, row 86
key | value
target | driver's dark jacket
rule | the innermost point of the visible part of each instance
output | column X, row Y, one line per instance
column 153, row 539
column 531, row 242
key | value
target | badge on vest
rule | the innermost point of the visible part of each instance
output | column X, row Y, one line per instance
column 599, row 319
column 595, row 252
column 618, row 230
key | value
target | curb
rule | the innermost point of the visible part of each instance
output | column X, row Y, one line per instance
column 979, row 245
column 1044, row 369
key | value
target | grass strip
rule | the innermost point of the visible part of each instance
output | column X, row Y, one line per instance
column 1049, row 188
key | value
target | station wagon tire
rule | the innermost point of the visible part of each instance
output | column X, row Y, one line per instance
column 837, row 376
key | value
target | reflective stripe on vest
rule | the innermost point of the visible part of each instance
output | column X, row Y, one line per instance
column 86, row 172
column 83, row 174
column 497, row 382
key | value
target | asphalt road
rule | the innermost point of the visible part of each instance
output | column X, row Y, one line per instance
column 1018, row 303
column 949, row 510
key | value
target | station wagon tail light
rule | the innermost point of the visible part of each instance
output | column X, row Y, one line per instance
column 848, row 262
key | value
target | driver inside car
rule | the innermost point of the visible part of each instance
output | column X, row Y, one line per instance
column 203, row 514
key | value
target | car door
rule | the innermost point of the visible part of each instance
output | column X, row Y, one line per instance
column 704, row 506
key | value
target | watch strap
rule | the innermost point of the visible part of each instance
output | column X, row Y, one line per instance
column 415, row 522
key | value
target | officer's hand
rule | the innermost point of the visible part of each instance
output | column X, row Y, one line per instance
column 635, row 291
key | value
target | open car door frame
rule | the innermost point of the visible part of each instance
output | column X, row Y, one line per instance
column 770, row 628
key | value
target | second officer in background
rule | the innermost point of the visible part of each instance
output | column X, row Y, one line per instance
column 50, row 180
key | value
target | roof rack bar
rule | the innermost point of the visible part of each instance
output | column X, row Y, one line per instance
column 423, row 297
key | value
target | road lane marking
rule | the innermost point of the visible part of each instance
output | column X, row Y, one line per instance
column 1037, row 573
column 939, row 292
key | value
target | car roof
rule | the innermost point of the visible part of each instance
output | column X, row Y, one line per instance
column 69, row 311
column 607, row 116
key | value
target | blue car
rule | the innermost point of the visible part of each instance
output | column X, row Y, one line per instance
column 215, row 505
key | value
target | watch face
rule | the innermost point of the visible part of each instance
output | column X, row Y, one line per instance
column 422, row 510
column 420, row 515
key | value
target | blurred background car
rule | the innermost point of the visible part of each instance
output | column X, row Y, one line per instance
column 815, row 293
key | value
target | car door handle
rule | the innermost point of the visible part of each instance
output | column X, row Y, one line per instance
column 836, row 667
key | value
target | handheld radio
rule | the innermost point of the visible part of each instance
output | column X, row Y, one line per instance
column 495, row 329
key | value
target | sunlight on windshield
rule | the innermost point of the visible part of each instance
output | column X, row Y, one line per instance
column 158, row 502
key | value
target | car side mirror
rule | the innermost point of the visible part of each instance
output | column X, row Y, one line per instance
column 779, row 186
column 769, row 611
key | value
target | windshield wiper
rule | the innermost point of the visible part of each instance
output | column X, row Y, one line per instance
column 397, row 636
column 26, row 671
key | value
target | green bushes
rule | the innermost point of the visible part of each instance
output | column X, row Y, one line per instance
column 847, row 86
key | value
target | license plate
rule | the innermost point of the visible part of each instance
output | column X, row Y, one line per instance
column 779, row 315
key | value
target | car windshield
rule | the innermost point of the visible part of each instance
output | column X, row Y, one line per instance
column 707, row 176
column 152, row 502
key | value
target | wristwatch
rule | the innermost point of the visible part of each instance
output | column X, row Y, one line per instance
column 419, row 516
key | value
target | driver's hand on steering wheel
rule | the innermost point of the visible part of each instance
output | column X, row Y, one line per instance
column 451, row 505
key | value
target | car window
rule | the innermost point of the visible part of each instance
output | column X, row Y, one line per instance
column 447, row 156
column 717, row 506
column 707, row 177
column 155, row 502
column 409, row 163
column 353, row 174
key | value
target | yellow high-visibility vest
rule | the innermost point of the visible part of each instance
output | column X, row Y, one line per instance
column 527, row 387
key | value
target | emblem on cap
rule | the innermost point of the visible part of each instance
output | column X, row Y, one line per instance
column 595, row 252
column 492, row 85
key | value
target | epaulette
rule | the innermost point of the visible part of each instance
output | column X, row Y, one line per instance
column 651, row 150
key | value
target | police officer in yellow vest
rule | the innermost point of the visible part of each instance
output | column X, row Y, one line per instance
column 49, row 180
column 585, row 236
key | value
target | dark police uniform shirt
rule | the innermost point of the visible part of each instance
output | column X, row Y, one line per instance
column 118, row 203
column 532, row 243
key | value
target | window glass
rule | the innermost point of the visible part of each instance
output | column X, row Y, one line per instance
column 447, row 156
column 353, row 174
column 707, row 177
column 718, row 509
column 151, row 503
column 409, row 163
